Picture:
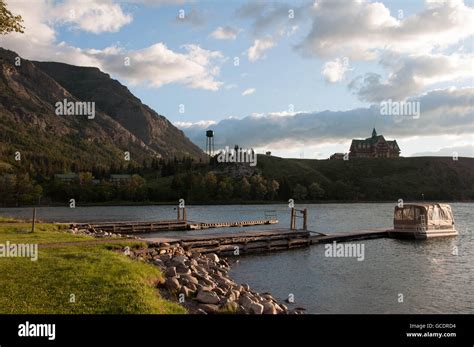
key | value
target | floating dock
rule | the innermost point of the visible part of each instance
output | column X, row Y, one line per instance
column 258, row 241
column 167, row 225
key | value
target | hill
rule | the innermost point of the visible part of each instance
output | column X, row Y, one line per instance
column 30, row 126
column 431, row 178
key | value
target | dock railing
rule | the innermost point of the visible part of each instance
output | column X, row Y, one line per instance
column 303, row 214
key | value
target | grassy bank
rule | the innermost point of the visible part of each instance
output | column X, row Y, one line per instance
column 97, row 277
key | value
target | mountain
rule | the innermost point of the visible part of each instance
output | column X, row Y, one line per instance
column 29, row 124
column 113, row 98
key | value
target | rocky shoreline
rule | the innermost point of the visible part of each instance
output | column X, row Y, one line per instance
column 200, row 282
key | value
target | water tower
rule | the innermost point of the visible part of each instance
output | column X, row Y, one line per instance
column 210, row 142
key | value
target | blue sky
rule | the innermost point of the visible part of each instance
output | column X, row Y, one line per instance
column 325, row 58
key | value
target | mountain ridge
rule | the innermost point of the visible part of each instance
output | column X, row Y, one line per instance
column 28, row 122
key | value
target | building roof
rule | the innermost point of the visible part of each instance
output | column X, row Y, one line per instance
column 374, row 139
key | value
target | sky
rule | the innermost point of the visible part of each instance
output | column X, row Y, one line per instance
column 297, row 78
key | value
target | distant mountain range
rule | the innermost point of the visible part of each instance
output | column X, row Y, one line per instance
column 30, row 125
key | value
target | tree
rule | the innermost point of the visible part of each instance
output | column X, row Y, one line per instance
column 315, row 191
column 225, row 189
column 8, row 21
column 300, row 192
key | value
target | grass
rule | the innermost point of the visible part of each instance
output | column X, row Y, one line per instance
column 100, row 279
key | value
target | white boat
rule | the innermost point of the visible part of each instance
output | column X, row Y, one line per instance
column 423, row 221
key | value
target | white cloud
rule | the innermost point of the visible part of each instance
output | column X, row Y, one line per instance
column 359, row 29
column 225, row 33
column 203, row 124
column 259, row 47
column 411, row 74
column 95, row 16
column 248, row 91
column 445, row 111
column 155, row 65
column 334, row 71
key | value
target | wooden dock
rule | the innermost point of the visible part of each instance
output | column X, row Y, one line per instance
column 166, row 225
column 258, row 241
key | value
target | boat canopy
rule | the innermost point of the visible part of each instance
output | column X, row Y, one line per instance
column 427, row 214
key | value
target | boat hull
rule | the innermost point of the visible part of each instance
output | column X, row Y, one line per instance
column 422, row 234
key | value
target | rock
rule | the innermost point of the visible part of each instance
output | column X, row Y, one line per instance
column 256, row 308
column 200, row 311
column 189, row 278
column 157, row 261
column 269, row 308
column 203, row 288
column 246, row 287
column 213, row 257
column 209, row 308
column 236, row 293
column 178, row 260
column 245, row 301
column 192, row 287
column 165, row 257
column 170, row 272
column 172, row 284
column 186, row 291
column 219, row 291
column 207, row 297
column 182, row 269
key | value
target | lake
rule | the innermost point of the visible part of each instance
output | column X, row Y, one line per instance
column 394, row 277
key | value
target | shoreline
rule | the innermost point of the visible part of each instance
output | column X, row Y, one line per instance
column 200, row 283
column 250, row 203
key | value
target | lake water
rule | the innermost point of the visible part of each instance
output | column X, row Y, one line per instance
column 425, row 274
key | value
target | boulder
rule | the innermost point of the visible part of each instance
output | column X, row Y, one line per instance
column 182, row 269
column 186, row 291
column 207, row 297
column 209, row 308
column 189, row 278
column 219, row 291
column 172, row 284
column 246, row 287
column 269, row 308
column 170, row 272
column 245, row 301
column 213, row 257
column 158, row 262
column 178, row 260
column 256, row 308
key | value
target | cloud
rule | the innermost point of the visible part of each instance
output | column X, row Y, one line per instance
column 359, row 30
column 203, row 124
column 259, row 47
column 93, row 16
column 155, row 65
column 334, row 71
column 225, row 33
column 248, row 91
column 270, row 17
column 193, row 18
column 446, row 111
column 460, row 151
column 411, row 74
